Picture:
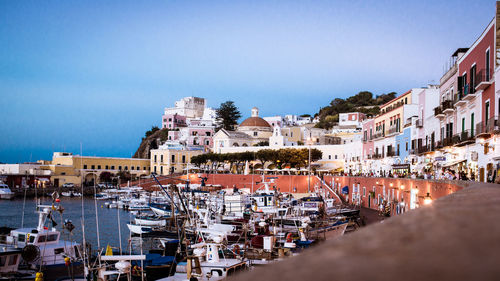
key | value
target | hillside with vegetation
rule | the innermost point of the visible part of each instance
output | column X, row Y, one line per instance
column 151, row 140
column 363, row 102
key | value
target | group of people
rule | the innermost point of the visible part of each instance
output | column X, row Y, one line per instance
column 440, row 174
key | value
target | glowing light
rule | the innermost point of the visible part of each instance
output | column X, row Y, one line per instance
column 427, row 199
column 390, row 184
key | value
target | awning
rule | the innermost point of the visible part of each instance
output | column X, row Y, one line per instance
column 454, row 163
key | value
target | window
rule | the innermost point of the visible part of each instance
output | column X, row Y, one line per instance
column 336, row 156
column 463, row 124
column 98, row 167
column 58, row 251
column 106, row 167
column 154, row 168
column 42, row 238
column 120, row 168
column 138, row 168
column 161, row 158
column 406, row 146
column 472, row 124
column 85, row 167
column 161, row 170
column 406, row 100
column 329, row 157
column 486, row 112
column 21, row 237
column 13, row 260
column 126, row 168
column 208, row 134
column 472, row 79
column 131, row 167
column 52, row 237
column 487, row 74
column 254, row 134
column 112, row 167
column 183, row 158
column 155, row 159
column 173, row 158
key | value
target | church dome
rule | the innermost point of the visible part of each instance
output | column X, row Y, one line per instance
column 255, row 120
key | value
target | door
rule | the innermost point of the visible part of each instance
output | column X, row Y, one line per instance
column 481, row 174
column 56, row 182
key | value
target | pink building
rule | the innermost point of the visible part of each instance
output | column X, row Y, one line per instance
column 173, row 121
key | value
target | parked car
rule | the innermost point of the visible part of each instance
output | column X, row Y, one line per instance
column 68, row 185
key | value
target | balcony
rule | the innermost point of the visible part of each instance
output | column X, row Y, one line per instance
column 424, row 149
column 463, row 138
column 485, row 129
column 448, row 141
column 378, row 135
column 483, row 78
column 393, row 130
column 447, row 107
column 377, row 156
column 468, row 93
column 438, row 112
column 419, row 123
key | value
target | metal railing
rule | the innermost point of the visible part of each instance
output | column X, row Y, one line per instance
column 447, row 104
column 484, row 75
column 393, row 129
column 438, row 111
column 492, row 125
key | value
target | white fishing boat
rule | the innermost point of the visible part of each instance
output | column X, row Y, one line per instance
column 43, row 247
column 71, row 194
column 149, row 221
column 139, row 229
column 205, row 264
column 5, row 192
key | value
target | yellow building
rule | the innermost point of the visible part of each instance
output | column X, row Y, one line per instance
column 170, row 160
column 293, row 134
column 69, row 168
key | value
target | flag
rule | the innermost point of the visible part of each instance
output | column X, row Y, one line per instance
column 109, row 251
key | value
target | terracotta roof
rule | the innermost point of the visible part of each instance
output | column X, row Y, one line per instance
column 255, row 122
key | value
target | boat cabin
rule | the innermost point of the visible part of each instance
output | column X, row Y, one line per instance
column 9, row 259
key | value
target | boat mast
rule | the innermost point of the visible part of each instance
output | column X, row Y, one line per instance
column 83, row 214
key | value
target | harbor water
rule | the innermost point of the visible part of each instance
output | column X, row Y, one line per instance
column 11, row 215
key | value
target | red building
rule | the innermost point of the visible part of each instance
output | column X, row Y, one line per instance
column 476, row 85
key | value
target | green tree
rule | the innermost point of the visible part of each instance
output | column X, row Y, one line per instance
column 227, row 115
column 152, row 131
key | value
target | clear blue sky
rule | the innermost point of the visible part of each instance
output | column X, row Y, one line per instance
column 100, row 72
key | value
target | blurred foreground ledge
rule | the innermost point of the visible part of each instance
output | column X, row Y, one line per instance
column 457, row 237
